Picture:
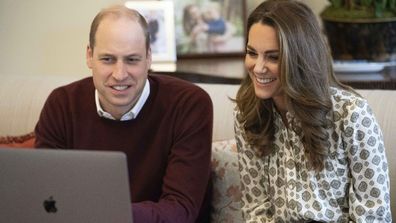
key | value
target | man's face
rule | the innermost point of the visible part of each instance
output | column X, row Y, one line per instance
column 119, row 62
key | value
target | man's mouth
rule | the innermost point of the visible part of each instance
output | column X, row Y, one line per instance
column 120, row 87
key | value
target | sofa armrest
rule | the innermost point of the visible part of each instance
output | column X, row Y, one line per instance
column 223, row 107
column 226, row 206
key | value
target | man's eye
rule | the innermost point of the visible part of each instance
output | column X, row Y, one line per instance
column 132, row 60
column 106, row 59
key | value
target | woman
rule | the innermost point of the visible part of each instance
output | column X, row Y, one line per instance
column 192, row 22
column 310, row 148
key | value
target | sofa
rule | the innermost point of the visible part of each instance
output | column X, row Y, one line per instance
column 22, row 98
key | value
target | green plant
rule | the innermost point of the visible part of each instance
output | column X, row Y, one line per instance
column 360, row 9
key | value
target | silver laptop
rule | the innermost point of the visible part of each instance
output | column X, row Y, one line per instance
column 47, row 186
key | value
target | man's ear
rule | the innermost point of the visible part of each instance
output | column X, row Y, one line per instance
column 89, row 56
column 149, row 57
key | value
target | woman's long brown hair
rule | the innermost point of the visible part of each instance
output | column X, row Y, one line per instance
column 306, row 75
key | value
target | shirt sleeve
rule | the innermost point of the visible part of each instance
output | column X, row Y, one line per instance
column 256, row 203
column 187, row 175
column 369, row 196
column 217, row 27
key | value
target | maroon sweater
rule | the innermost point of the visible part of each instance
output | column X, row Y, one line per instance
column 168, row 145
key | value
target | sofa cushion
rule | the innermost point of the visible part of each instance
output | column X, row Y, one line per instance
column 20, row 141
column 226, row 204
column 223, row 107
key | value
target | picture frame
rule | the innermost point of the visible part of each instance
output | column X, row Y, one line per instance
column 209, row 28
column 161, row 25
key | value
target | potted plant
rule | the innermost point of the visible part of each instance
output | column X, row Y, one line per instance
column 361, row 29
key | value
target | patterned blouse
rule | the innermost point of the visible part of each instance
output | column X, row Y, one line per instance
column 353, row 186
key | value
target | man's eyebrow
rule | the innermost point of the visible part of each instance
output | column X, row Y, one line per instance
column 127, row 56
column 133, row 55
column 105, row 55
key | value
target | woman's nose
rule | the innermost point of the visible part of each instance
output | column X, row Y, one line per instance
column 260, row 66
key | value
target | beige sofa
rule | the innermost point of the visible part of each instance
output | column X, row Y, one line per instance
column 22, row 98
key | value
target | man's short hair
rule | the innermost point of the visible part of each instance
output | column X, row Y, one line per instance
column 118, row 11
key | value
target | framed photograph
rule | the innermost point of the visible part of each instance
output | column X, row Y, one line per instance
column 161, row 25
column 209, row 27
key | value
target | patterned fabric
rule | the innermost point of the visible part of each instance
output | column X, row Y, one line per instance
column 226, row 205
column 19, row 141
column 353, row 186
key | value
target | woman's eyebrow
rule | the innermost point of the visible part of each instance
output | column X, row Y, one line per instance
column 268, row 51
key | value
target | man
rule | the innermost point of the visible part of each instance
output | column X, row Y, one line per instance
column 163, row 124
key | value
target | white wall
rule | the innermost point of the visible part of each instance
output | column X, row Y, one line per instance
column 46, row 36
column 50, row 36
column 316, row 5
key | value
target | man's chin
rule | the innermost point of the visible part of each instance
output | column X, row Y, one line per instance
column 124, row 103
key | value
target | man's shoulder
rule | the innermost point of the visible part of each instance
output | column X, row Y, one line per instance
column 81, row 84
column 75, row 89
column 86, row 81
column 170, row 83
column 175, row 88
column 165, row 79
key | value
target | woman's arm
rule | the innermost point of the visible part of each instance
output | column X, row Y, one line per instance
column 369, row 196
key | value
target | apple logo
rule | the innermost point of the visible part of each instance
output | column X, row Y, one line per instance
column 49, row 205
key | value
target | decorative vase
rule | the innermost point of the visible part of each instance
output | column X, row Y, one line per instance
column 365, row 39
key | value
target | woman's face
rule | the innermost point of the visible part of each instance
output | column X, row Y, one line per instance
column 262, row 62
column 195, row 12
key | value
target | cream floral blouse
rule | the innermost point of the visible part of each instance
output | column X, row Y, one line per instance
column 353, row 186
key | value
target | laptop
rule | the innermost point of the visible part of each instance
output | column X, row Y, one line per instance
column 46, row 186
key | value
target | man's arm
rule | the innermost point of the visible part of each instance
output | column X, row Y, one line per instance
column 48, row 131
column 188, row 171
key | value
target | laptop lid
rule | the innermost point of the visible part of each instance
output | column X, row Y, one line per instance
column 46, row 186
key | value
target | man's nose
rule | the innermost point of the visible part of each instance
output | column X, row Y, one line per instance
column 120, row 71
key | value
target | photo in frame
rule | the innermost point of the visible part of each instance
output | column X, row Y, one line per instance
column 161, row 26
column 207, row 28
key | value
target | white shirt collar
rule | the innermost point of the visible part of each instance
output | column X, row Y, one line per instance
column 131, row 114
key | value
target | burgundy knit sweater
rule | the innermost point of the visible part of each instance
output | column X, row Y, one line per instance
column 168, row 145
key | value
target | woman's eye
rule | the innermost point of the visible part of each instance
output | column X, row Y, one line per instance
column 273, row 57
column 251, row 53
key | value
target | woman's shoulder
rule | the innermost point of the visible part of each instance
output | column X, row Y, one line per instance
column 343, row 97
column 346, row 103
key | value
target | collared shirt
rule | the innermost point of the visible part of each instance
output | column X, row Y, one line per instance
column 354, row 185
column 131, row 114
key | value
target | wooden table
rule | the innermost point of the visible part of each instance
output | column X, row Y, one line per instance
column 386, row 79
column 231, row 71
